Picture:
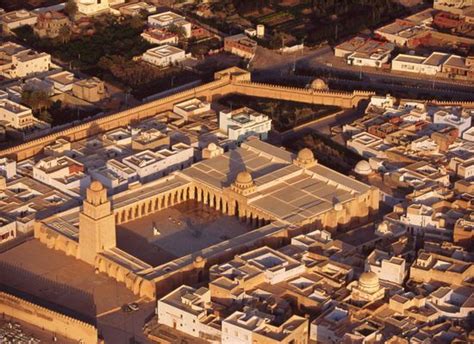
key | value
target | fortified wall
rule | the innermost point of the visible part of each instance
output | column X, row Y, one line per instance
column 14, row 307
column 232, row 80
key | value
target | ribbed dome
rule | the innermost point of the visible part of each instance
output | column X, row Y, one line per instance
column 369, row 282
column 305, row 155
column 243, row 178
column 363, row 168
column 319, row 84
column 96, row 186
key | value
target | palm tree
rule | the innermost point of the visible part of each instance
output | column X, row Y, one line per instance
column 65, row 34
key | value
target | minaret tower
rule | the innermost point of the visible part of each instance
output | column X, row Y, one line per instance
column 96, row 223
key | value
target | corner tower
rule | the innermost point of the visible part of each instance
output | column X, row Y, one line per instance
column 96, row 223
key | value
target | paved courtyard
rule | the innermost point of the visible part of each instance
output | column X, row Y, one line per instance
column 55, row 278
column 184, row 229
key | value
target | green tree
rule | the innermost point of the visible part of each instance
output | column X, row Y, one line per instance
column 71, row 8
column 45, row 116
column 37, row 100
column 65, row 34
column 136, row 22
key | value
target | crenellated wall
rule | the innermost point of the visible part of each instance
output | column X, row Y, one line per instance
column 57, row 323
column 228, row 81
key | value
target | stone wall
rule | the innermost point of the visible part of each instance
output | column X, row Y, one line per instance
column 227, row 81
column 47, row 319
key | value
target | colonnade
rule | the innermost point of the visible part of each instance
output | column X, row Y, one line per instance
column 220, row 200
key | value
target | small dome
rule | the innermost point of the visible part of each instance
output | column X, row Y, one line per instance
column 363, row 168
column 383, row 227
column 198, row 259
column 369, row 282
column 212, row 146
column 319, row 84
column 243, row 178
column 305, row 155
column 96, row 186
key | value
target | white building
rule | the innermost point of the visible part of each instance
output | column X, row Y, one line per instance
column 7, row 230
column 460, row 121
column 7, row 168
column 468, row 135
column 93, row 7
column 420, row 65
column 244, row 122
column 15, row 115
column 62, row 81
column 188, row 310
column 387, row 268
column 167, row 19
column 408, row 63
column 62, row 173
column 326, row 328
column 367, row 145
column 191, row 107
column 15, row 19
column 17, row 61
column 164, row 55
column 252, row 326
column 115, row 175
column 375, row 60
column 150, row 165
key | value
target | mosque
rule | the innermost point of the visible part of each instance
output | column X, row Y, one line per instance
column 279, row 193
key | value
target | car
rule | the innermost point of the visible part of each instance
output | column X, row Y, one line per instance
column 133, row 306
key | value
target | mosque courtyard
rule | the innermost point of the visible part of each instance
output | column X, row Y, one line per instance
column 177, row 231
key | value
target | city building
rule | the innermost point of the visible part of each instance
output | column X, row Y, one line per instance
column 133, row 9
column 62, row 173
column 63, row 81
column 244, row 122
column 92, row 90
column 168, row 19
column 50, row 24
column 93, row 7
column 240, row 45
column 151, row 165
column 22, row 200
column 16, row 115
column 164, row 55
column 15, row 19
column 359, row 51
column 18, row 62
column 160, row 36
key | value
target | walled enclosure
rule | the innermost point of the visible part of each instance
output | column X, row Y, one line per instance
column 47, row 319
column 232, row 80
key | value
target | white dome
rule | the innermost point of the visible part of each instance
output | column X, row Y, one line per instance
column 363, row 168
column 212, row 146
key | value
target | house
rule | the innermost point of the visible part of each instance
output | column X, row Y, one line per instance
column 164, row 55
column 240, row 45
column 15, row 19
column 244, row 122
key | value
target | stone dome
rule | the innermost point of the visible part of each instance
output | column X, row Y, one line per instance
column 305, row 155
column 243, row 178
column 212, row 146
column 383, row 227
column 319, row 84
column 96, row 186
column 198, row 259
column 369, row 282
column 363, row 168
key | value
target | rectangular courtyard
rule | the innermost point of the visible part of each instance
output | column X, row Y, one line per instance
column 177, row 231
